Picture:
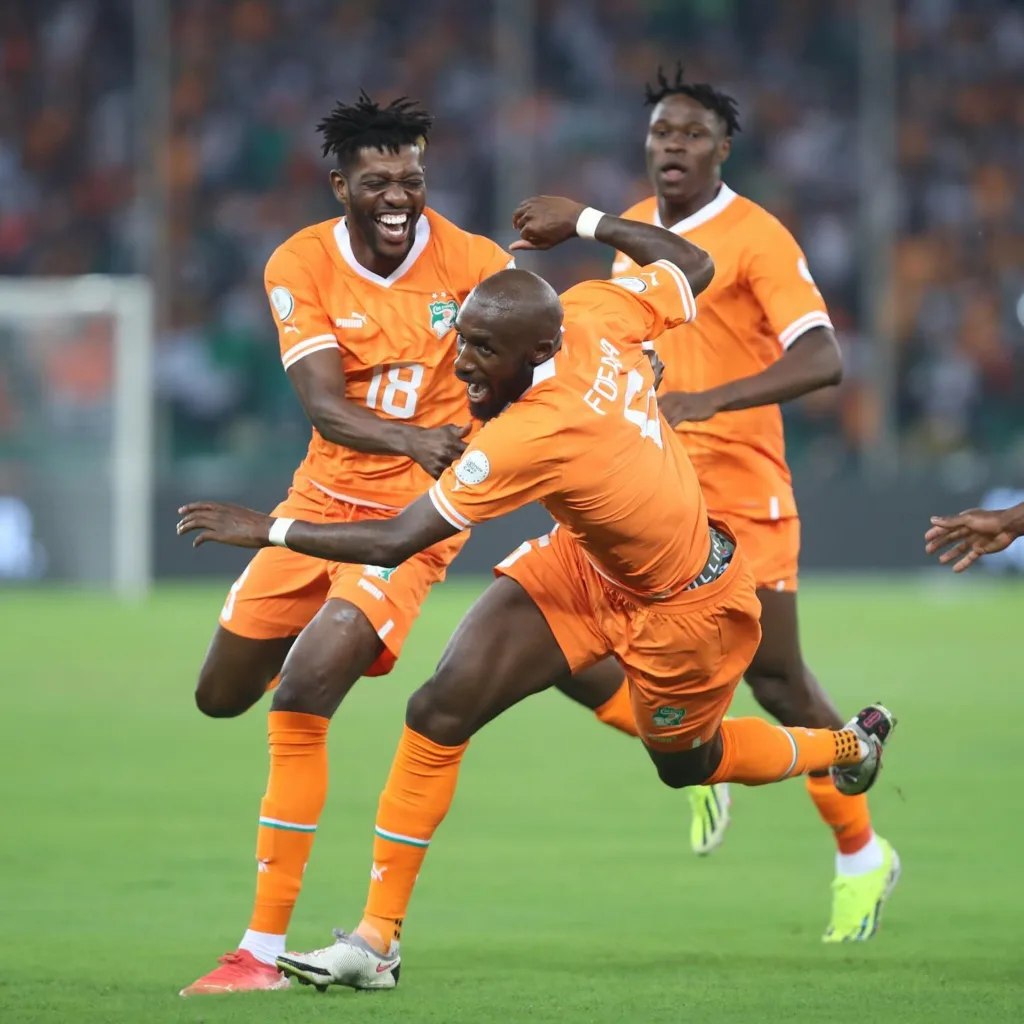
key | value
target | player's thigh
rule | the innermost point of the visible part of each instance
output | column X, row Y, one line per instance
column 778, row 655
column 337, row 647
column 595, row 685
column 502, row 651
column 237, row 671
column 391, row 598
column 530, row 628
column 276, row 595
column 772, row 549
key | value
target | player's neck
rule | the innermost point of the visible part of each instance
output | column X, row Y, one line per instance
column 382, row 266
column 673, row 211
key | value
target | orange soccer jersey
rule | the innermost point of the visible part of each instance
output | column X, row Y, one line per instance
column 762, row 298
column 587, row 442
column 394, row 337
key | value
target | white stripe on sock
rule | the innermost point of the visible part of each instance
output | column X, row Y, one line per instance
column 792, row 743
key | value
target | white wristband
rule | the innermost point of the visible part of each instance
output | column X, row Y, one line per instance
column 278, row 531
column 587, row 222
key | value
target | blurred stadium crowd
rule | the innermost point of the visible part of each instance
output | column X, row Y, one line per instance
column 252, row 77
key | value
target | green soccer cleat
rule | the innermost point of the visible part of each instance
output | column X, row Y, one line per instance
column 709, row 817
column 857, row 900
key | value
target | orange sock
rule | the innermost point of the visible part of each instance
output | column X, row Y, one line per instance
column 756, row 752
column 617, row 711
column 289, row 813
column 847, row 816
column 272, row 685
column 415, row 800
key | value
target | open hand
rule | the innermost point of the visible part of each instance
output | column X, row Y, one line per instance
column 688, row 406
column 545, row 221
column 226, row 524
column 436, row 448
column 968, row 536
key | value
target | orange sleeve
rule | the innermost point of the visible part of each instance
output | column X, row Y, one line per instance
column 777, row 274
column 510, row 463
column 303, row 326
column 637, row 308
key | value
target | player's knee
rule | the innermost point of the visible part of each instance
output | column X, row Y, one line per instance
column 689, row 767
column 692, row 768
column 438, row 717
column 310, row 689
column 216, row 698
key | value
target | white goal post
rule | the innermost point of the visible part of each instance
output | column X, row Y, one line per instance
column 128, row 303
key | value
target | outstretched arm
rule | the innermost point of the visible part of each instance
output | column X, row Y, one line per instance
column 974, row 533
column 547, row 221
column 385, row 542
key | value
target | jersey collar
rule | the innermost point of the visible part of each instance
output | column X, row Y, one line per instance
column 341, row 236
column 544, row 372
column 703, row 215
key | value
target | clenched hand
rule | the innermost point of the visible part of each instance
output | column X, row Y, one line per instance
column 545, row 221
column 436, row 448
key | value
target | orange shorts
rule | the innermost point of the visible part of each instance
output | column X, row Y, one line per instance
column 683, row 657
column 771, row 547
column 281, row 590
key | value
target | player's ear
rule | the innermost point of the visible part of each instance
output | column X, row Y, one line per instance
column 724, row 149
column 339, row 186
column 544, row 351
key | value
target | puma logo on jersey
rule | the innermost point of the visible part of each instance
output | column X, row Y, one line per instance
column 352, row 322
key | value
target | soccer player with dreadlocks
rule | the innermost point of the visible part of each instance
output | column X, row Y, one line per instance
column 763, row 337
column 364, row 306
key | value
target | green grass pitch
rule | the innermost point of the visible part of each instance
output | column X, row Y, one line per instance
column 561, row 887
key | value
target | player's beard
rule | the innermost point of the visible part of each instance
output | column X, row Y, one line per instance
column 500, row 395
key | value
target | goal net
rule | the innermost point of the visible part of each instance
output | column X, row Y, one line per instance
column 76, row 431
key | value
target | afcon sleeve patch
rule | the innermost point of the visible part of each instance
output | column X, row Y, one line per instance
column 631, row 284
column 283, row 303
column 473, row 468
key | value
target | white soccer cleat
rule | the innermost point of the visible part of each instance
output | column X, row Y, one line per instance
column 873, row 726
column 351, row 961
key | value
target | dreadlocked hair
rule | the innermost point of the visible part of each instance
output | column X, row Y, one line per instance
column 352, row 127
column 707, row 96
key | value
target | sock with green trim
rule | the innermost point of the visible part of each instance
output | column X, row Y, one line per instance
column 291, row 808
column 415, row 800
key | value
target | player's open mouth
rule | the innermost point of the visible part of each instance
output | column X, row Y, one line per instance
column 478, row 393
column 394, row 226
column 673, row 172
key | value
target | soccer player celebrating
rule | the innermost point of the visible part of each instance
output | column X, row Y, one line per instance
column 364, row 306
column 632, row 569
column 974, row 533
column 763, row 337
